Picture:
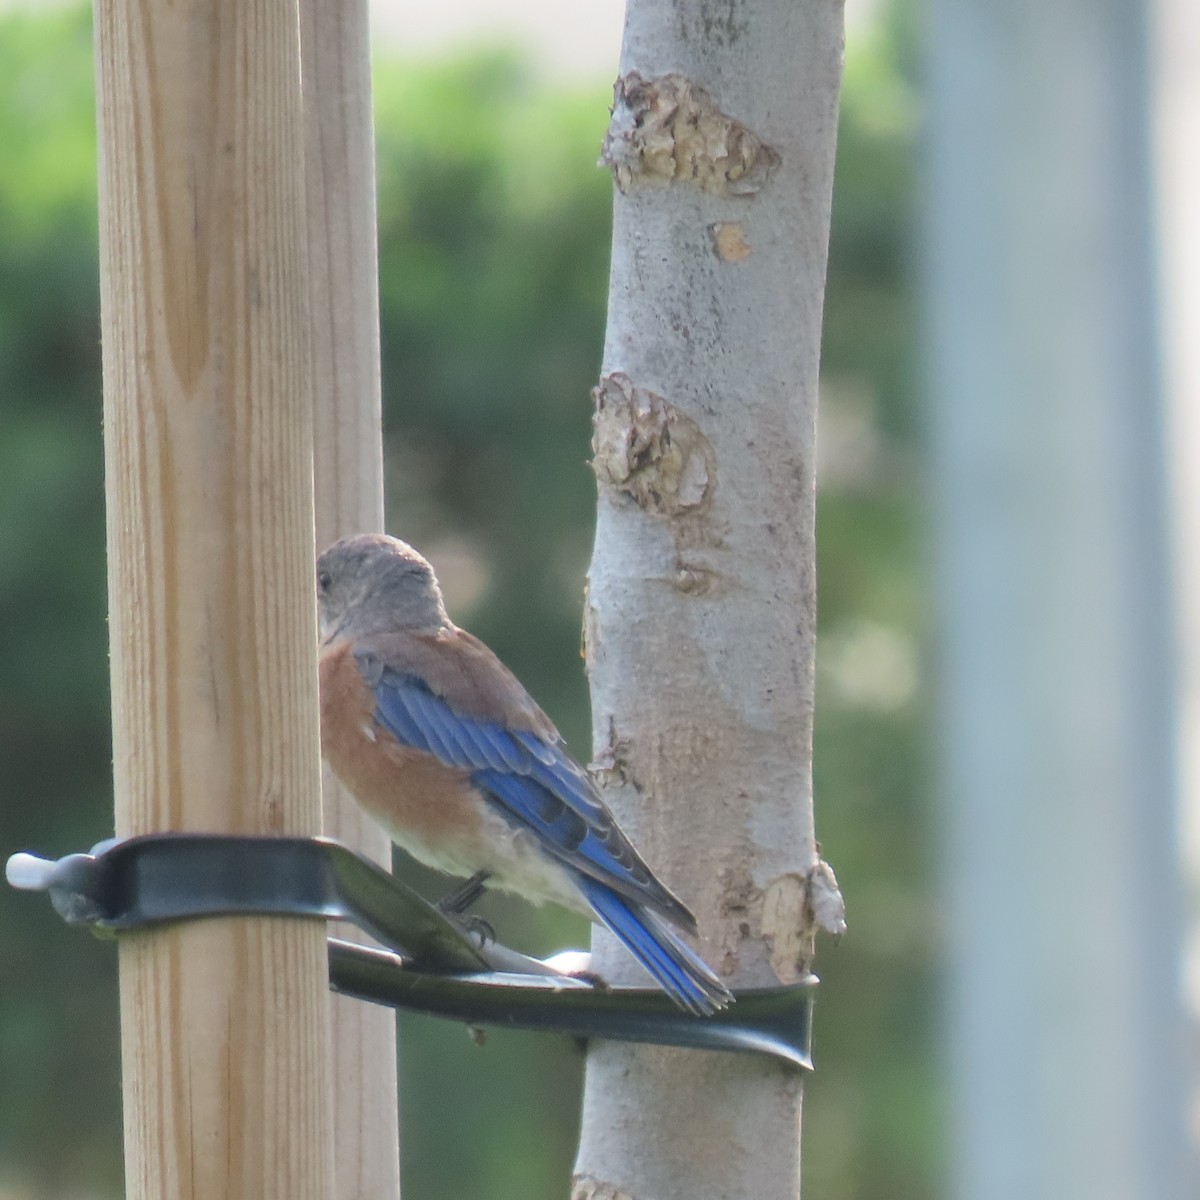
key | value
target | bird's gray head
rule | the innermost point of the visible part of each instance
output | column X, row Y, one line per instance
column 372, row 583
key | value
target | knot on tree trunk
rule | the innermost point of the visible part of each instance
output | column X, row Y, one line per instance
column 668, row 128
column 644, row 446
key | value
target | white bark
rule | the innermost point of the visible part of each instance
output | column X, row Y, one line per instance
column 701, row 611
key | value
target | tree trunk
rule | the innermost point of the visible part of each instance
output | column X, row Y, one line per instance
column 700, row 617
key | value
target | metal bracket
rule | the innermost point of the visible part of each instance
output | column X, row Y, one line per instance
column 437, row 967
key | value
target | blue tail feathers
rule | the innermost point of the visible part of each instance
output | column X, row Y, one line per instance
column 678, row 969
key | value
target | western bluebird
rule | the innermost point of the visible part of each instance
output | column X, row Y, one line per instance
column 438, row 740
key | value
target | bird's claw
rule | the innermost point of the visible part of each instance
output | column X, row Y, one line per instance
column 477, row 927
column 457, row 902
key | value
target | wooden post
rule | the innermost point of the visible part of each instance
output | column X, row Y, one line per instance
column 225, row 1023
column 348, row 473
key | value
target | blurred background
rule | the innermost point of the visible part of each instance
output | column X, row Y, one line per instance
column 493, row 266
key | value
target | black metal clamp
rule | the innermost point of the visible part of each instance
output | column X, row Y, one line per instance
column 435, row 966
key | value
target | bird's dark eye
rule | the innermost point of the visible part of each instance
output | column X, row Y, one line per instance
column 324, row 579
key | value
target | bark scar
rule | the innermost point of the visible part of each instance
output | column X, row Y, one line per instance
column 667, row 128
column 729, row 241
column 784, row 928
column 588, row 1187
column 787, row 915
column 644, row 446
column 693, row 579
column 611, row 762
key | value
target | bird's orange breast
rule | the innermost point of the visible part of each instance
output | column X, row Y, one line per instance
column 421, row 801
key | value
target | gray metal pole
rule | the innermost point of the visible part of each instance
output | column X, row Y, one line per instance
column 1056, row 653
column 1176, row 55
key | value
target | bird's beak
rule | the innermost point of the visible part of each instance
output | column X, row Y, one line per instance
column 322, row 624
column 327, row 629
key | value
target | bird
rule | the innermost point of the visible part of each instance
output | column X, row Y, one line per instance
column 440, row 742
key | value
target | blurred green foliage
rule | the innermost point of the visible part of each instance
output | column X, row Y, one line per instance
column 493, row 254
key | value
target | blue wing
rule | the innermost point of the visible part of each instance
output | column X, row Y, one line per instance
column 534, row 782
column 681, row 972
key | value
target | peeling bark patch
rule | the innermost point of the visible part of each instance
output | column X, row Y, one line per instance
column 729, row 241
column 644, row 446
column 587, row 1187
column 667, row 128
column 785, row 915
column 785, row 928
column 826, row 908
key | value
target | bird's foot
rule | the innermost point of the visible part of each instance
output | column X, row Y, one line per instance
column 455, row 903
column 476, row 927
